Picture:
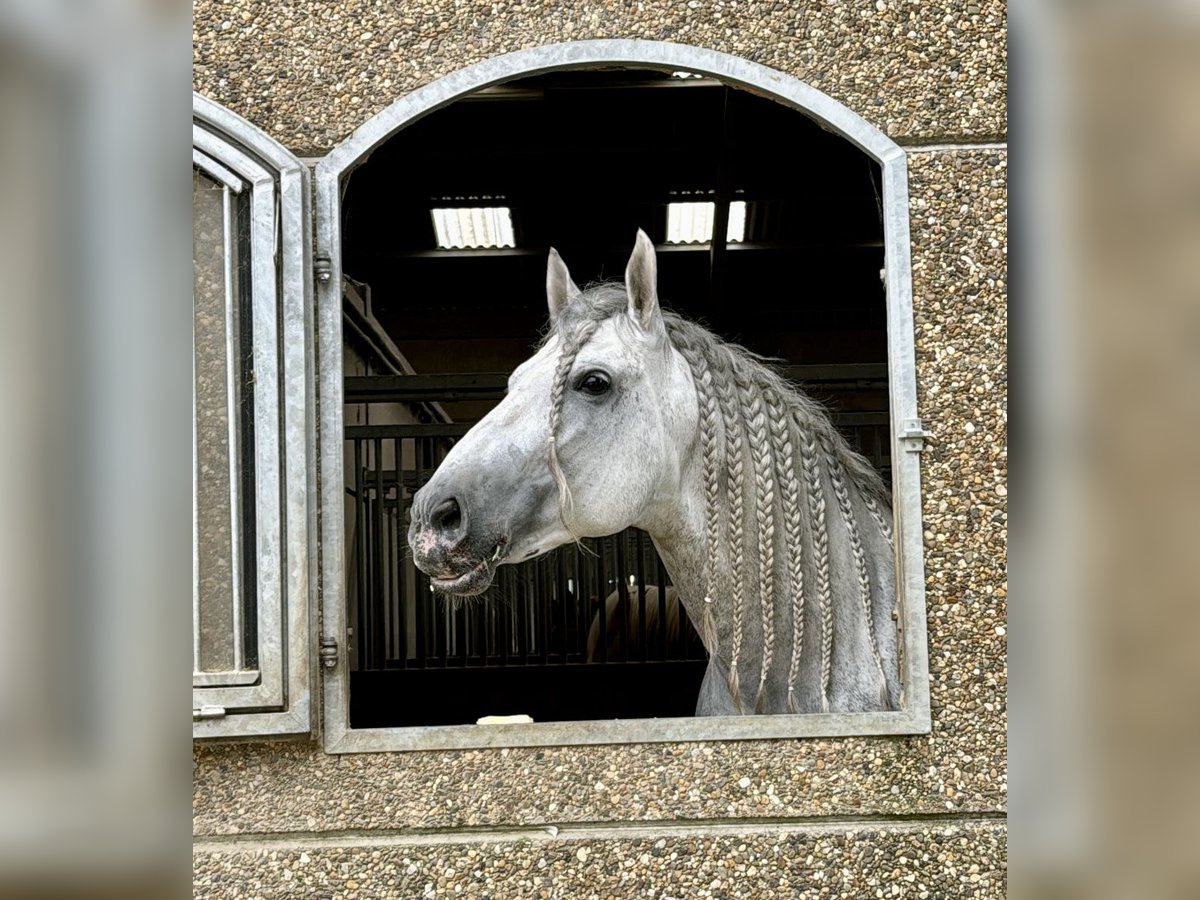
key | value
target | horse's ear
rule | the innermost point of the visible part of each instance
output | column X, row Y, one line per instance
column 641, row 282
column 560, row 289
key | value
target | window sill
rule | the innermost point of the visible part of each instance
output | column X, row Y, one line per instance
column 627, row 731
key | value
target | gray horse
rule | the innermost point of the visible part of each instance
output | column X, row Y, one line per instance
column 777, row 535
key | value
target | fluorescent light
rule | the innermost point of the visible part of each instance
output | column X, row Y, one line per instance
column 735, row 233
column 473, row 227
column 692, row 222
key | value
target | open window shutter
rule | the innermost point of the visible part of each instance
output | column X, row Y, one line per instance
column 252, row 440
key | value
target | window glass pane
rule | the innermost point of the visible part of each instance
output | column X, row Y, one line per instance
column 217, row 576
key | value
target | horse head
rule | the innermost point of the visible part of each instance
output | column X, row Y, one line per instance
column 591, row 437
column 775, row 533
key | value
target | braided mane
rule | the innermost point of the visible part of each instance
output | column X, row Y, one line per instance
column 771, row 458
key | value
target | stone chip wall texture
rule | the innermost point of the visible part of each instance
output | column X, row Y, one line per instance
column 308, row 74
column 922, row 862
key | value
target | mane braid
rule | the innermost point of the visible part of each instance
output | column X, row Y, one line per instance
column 885, row 527
column 820, row 538
column 837, row 476
column 764, row 509
column 785, row 461
column 735, row 524
column 710, row 428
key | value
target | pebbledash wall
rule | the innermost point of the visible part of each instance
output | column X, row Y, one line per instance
column 910, row 816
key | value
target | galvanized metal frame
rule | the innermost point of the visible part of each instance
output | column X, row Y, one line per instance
column 242, row 157
column 211, row 167
column 261, row 687
column 331, row 174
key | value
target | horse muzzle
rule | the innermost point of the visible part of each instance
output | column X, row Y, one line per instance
column 457, row 561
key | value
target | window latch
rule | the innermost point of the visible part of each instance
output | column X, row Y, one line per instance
column 207, row 711
column 914, row 435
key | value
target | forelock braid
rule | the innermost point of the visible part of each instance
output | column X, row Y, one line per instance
column 735, row 486
column 837, row 476
column 710, row 436
column 785, row 465
column 566, row 359
column 820, row 538
column 764, row 493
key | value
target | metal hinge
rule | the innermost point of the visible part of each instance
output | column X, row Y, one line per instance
column 914, row 435
column 322, row 269
column 328, row 653
column 207, row 711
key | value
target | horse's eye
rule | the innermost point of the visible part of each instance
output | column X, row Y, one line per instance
column 594, row 383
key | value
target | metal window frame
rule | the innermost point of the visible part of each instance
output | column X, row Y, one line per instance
column 906, row 429
column 278, row 701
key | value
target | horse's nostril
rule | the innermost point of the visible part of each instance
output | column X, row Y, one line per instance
column 447, row 516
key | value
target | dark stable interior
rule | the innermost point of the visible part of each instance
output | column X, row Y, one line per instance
column 583, row 160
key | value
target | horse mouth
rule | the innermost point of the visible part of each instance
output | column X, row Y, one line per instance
column 475, row 580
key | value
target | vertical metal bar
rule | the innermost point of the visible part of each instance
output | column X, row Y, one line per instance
column 421, row 595
column 360, row 553
column 378, row 555
column 454, row 641
column 395, row 551
column 529, row 608
column 623, row 597
column 479, row 619
column 507, row 616
column 401, row 560
column 560, row 587
column 488, row 625
column 460, row 632
column 544, row 606
column 644, row 627
column 522, row 602
column 386, row 586
column 467, row 636
column 369, row 570
column 491, row 648
column 442, row 636
column 583, row 618
column 661, row 579
column 445, row 620
column 378, row 597
column 437, row 615
column 474, row 628
column 233, row 424
column 602, row 595
column 526, row 629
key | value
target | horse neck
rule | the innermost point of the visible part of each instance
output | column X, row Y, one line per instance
column 768, row 639
column 676, row 527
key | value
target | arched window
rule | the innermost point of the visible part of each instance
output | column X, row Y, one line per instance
column 251, row 635
column 393, row 215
